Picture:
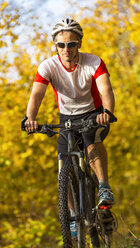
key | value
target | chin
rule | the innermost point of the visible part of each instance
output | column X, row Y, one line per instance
column 67, row 59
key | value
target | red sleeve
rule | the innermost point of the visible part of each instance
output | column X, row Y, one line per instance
column 101, row 70
column 40, row 79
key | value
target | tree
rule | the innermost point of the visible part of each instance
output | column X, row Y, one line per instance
column 28, row 164
column 112, row 33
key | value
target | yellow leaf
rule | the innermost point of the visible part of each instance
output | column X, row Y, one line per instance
column 4, row 5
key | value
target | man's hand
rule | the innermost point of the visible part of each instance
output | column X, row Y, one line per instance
column 31, row 126
column 103, row 118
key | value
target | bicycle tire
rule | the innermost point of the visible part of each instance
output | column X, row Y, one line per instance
column 91, row 203
column 68, row 173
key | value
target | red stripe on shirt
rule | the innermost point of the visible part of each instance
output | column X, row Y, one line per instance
column 65, row 67
column 95, row 94
column 40, row 79
column 101, row 70
column 56, row 96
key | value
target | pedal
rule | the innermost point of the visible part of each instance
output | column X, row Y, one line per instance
column 104, row 207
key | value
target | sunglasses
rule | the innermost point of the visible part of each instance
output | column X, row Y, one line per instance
column 69, row 44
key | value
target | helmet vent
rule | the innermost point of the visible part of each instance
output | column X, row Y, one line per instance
column 67, row 24
column 67, row 21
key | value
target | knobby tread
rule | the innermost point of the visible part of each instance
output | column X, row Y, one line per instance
column 67, row 172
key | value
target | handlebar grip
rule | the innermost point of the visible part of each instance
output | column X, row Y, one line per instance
column 23, row 123
column 112, row 117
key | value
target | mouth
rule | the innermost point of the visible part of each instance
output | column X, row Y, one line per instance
column 66, row 54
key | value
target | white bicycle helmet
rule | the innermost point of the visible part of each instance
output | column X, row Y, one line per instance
column 67, row 25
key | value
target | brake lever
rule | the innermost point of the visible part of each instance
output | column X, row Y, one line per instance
column 23, row 123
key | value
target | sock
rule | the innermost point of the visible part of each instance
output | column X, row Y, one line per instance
column 103, row 183
column 72, row 213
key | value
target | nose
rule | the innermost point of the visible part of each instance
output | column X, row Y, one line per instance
column 66, row 48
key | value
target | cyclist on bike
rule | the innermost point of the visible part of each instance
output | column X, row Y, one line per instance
column 82, row 89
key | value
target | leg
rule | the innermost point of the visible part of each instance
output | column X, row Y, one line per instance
column 98, row 161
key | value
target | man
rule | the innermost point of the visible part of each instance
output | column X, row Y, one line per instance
column 78, row 80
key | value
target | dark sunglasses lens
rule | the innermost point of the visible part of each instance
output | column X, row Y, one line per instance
column 69, row 44
column 72, row 44
column 61, row 45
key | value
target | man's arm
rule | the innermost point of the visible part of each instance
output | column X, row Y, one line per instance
column 37, row 94
column 108, row 100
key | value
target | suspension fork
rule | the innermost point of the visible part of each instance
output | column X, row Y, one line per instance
column 60, row 162
column 81, row 171
column 61, row 156
column 81, row 177
column 77, row 158
column 81, row 174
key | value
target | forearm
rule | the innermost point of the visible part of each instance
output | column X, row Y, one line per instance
column 108, row 100
column 33, row 107
column 38, row 92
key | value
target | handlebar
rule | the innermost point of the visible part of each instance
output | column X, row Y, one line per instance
column 81, row 126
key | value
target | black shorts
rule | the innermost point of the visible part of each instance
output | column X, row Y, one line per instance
column 90, row 137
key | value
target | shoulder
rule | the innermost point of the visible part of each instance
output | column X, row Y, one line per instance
column 49, row 62
column 47, row 65
column 90, row 59
column 95, row 63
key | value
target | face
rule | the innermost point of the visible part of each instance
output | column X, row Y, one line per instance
column 67, row 54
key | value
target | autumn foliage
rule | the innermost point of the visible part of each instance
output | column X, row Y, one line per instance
column 28, row 164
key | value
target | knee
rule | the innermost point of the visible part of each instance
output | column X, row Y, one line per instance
column 91, row 149
column 94, row 150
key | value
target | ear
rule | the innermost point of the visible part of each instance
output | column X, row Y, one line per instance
column 57, row 51
column 79, row 44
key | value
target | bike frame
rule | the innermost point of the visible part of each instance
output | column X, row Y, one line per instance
column 81, row 157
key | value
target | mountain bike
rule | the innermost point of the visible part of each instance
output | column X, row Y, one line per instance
column 78, row 186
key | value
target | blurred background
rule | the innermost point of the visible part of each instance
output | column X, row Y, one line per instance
column 28, row 164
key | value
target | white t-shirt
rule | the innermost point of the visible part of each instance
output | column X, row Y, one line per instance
column 76, row 91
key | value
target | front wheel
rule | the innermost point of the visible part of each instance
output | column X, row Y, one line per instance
column 69, row 188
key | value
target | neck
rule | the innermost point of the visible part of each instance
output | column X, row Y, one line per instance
column 70, row 65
